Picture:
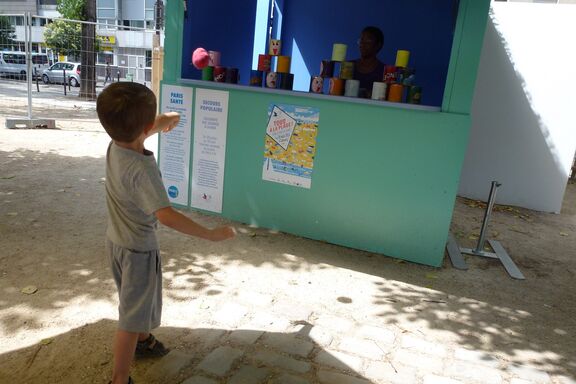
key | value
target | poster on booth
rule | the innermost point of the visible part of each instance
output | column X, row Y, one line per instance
column 174, row 157
column 210, row 126
column 290, row 145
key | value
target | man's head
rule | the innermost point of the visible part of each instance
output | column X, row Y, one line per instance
column 126, row 110
column 371, row 41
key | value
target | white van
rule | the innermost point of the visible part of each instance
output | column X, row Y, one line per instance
column 14, row 63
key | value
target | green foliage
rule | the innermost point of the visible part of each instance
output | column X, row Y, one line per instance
column 71, row 9
column 7, row 35
column 64, row 37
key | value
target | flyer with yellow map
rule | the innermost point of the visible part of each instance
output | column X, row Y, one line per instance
column 290, row 144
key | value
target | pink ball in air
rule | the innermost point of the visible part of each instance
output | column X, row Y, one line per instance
column 200, row 58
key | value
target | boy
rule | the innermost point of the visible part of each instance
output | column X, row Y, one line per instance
column 136, row 200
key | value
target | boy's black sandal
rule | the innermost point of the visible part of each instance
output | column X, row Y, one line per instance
column 151, row 348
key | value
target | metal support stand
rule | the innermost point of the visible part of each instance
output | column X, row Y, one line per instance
column 455, row 252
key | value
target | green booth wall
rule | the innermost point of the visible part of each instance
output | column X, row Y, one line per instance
column 385, row 176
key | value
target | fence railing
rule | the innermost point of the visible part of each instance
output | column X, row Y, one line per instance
column 54, row 69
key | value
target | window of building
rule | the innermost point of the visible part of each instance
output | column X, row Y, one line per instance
column 105, row 13
column 148, row 58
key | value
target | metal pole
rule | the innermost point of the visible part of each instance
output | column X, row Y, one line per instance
column 487, row 214
column 28, row 45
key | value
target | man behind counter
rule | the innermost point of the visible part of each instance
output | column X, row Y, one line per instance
column 368, row 69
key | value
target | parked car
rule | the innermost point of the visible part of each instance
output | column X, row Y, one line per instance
column 14, row 63
column 55, row 74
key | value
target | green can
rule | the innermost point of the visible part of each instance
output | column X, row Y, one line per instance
column 208, row 73
column 414, row 95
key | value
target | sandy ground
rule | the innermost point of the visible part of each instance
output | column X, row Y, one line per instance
column 52, row 222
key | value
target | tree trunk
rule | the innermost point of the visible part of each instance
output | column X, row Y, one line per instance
column 88, row 54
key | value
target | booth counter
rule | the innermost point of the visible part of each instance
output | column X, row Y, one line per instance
column 384, row 175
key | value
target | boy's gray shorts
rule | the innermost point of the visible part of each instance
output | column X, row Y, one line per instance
column 138, row 277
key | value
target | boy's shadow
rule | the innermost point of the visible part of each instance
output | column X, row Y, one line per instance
column 198, row 356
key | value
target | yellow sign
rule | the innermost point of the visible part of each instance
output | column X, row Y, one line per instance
column 107, row 39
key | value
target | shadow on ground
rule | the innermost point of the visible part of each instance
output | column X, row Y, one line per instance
column 59, row 202
column 224, row 356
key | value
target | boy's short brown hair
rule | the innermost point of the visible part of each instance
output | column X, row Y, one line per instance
column 125, row 109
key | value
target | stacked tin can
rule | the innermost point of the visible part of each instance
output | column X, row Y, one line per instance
column 264, row 76
column 214, row 71
column 339, row 72
column 400, row 81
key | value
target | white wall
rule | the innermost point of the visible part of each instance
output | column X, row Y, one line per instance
column 524, row 110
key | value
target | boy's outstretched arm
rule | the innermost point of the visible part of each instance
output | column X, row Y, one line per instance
column 165, row 122
column 175, row 220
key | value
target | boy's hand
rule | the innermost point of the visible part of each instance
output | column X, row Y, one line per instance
column 222, row 233
column 166, row 122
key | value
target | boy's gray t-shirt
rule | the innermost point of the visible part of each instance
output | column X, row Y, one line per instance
column 134, row 191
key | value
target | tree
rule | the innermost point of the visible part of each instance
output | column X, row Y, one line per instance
column 71, row 9
column 64, row 37
column 7, row 35
column 84, row 10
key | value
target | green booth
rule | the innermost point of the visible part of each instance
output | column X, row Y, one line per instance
column 382, row 176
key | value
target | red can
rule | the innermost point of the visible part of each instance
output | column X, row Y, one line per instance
column 220, row 74
column 390, row 73
column 264, row 62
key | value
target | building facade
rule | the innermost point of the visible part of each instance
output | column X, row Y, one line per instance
column 125, row 32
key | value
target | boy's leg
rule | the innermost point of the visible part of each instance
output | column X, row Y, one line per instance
column 143, row 336
column 124, row 347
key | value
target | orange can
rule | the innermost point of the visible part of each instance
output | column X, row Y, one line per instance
column 395, row 93
column 283, row 64
column 336, row 86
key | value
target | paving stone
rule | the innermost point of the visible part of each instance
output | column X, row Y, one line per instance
column 272, row 360
column 289, row 379
column 329, row 377
column 385, row 372
column 203, row 338
column 288, row 343
column 529, row 373
column 421, row 361
column 476, row 357
column 255, row 298
column 244, row 336
column 268, row 322
column 476, row 373
column 433, row 379
column 249, row 375
column 334, row 323
column 378, row 334
column 320, row 336
column 339, row 360
column 220, row 360
column 199, row 380
column 230, row 314
column 170, row 365
column 424, row 346
column 291, row 310
column 363, row 347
